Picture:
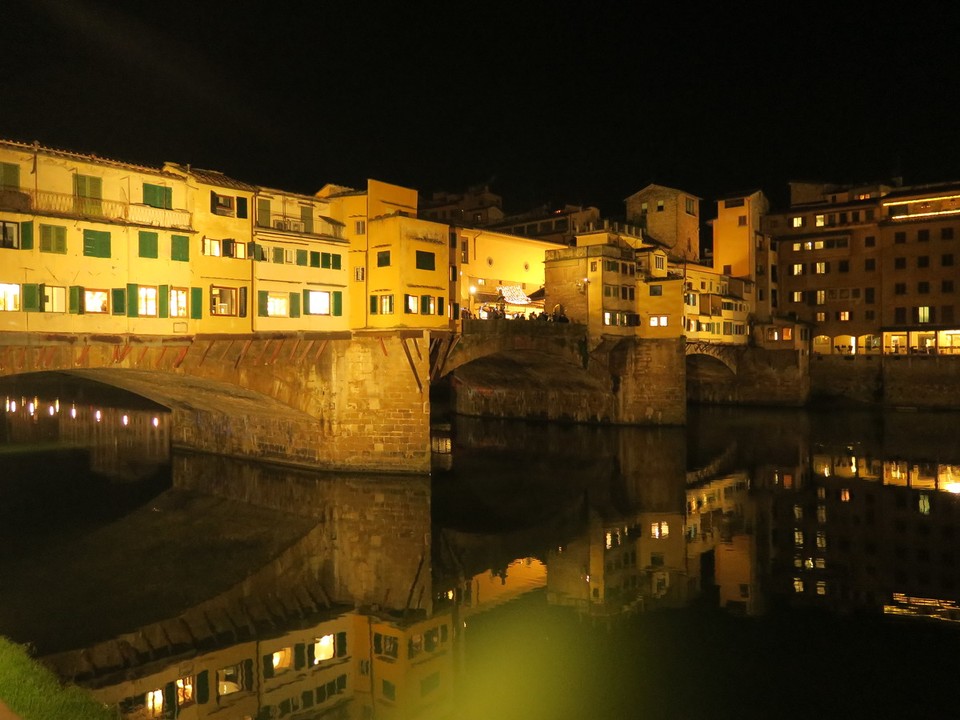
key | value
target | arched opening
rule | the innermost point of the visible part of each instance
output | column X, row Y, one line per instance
column 822, row 345
column 845, row 345
column 869, row 344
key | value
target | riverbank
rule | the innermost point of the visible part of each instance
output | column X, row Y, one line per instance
column 29, row 691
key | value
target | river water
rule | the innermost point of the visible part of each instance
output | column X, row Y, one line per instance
column 757, row 563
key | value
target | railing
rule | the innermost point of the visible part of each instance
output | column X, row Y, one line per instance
column 44, row 201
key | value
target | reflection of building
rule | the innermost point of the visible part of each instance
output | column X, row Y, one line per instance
column 363, row 663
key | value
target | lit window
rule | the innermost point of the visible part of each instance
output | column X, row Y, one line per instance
column 821, row 539
column 820, row 563
column 923, row 314
column 821, row 587
column 798, row 512
column 185, row 694
column 796, row 296
column 410, row 304
column 360, row 226
column 278, row 305
column 323, row 649
column 821, row 268
column 845, row 495
column 821, row 297
column 9, row 297
column 797, row 585
column 223, row 301
column 658, row 321
column 212, row 247
column 359, row 273
column 96, row 301
column 821, row 221
column 821, row 316
column 659, row 262
column 9, row 235
column 843, row 315
column 317, row 302
column 155, row 703
column 54, row 299
column 924, row 504
column 147, row 301
column 230, row 680
column 178, row 302
column 659, row 530
column 798, row 538
column 797, row 221
column 821, row 513
column 796, row 269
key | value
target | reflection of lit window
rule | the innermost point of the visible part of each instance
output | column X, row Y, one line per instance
column 798, row 538
column 845, row 495
column 820, row 563
column 821, row 587
column 323, row 649
column 924, row 504
column 798, row 512
column 798, row 562
column 609, row 540
column 229, row 680
column 155, row 703
column 659, row 530
column 282, row 660
column 821, row 513
column 821, row 493
column 821, row 539
column 808, row 564
column 797, row 585
column 185, row 691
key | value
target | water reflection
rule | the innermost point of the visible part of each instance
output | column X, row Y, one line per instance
column 540, row 559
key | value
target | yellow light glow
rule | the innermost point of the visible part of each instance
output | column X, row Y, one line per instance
column 156, row 422
column 323, row 649
column 73, row 412
column 952, row 487
column 125, row 420
column 31, row 408
column 56, row 404
column 891, row 203
column 52, row 411
column 926, row 214
column 98, row 415
column 155, row 702
column 449, row 594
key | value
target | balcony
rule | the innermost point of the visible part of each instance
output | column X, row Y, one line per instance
column 299, row 225
column 43, row 202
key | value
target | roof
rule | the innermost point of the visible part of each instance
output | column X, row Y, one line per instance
column 36, row 147
column 661, row 187
column 213, row 177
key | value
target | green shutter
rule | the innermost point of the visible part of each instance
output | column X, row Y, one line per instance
column 338, row 302
column 341, row 644
column 241, row 207
column 151, row 195
column 373, row 304
column 60, row 240
column 31, row 297
column 118, row 298
column 306, row 302
column 96, row 243
column 10, row 175
column 180, row 248
column 301, row 257
column 294, row 304
column 425, row 304
column 243, row 301
column 263, row 301
column 325, row 260
column 336, row 261
column 263, row 212
column 315, row 258
column 170, row 700
column 163, row 301
column 26, row 235
column 196, row 303
column 213, row 202
column 149, row 243
column 203, row 687
column 278, row 255
column 75, row 305
column 53, row 239
column 439, row 305
column 306, row 217
column 299, row 656
column 133, row 300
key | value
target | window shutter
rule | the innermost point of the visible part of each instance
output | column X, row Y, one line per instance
column 294, row 304
column 213, row 202
column 196, row 303
column 424, row 304
column 163, row 301
column 133, row 306
column 118, row 298
column 150, row 195
column 75, row 305
column 278, row 255
column 148, row 244
column 439, row 305
column 314, row 259
column 306, row 302
column 338, row 302
column 268, row 666
column 247, row 679
column 31, row 297
column 263, row 212
column 179, row 248
column 373, row 304
column 26, row 235
column 341, row 644
column 299, row 656
column 243, row 302
column 170, row 700
column 60, row 240
column 336, row 261
column 241, row 207
column 263, row 300
column 325, row 260
column 301, row 257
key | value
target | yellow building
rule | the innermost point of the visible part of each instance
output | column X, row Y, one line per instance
column 92, row 245
column 301, row 264
column 489, row 263
column 669, row 216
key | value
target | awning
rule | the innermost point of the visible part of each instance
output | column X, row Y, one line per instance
column 513, row 294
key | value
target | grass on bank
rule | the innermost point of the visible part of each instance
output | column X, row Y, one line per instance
column 34, row 693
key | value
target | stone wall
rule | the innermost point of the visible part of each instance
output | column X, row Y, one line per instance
column 914, row 381
column 763, row 377
column 650, row 381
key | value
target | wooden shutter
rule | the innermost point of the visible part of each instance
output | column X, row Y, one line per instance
column 243, row 302
column 163, row 301
column 301, row 257
column 213, row 202
column 75, row 305
column 263, row 302
column 203, row 687
column 32, row 297
column 338, row 302
column 294, row 304
column 133, row 300
column 241, row 207
column 196, row 303
column 26, row 235
column 263, row 212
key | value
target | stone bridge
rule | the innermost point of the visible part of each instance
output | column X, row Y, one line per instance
column 354, row 401
column 727, row 354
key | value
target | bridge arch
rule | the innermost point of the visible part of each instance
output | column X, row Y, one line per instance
column 726, row 354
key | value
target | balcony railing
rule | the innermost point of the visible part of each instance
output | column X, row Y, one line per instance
column 43, row 201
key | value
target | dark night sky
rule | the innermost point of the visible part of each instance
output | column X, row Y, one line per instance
column 553, row 105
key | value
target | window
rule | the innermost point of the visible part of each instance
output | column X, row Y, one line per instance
column 96, row 243
column 53, row 239
column 900, row 315
column 659, row 205
column 946, row 233
column 798, row 221
column 410, row 304
column 10, row 176
column 796, row 269
column 843, row 315
column 232, row 248
column 844, row 266
column 381, row 304
column 659, row 262
column 221, row 204
column 923, row 235
column 322, row 302
column 224, row 301
column 900, row 288
column 924, row 314
column 656, row 290
column 96, row 301
column 428, row 305
column 946, row 260
column 689, row 206
column 148, row 244
column 383, row 258
column 900, row 263
column 9, row 297
column 54, row 298
column 87, row 192
column 899, row 237
column 425, row 260
column 157, row 196
column 212, row 247
column 870, row 264
column 659, row 530
column 796, row 296
column 821, row 268
column 923, row 288
column 821, row 297
column 147, row 301
column 868, row 295
column 869, row 241
column 658, row 321
column 360, row 227
column 178, row 302
column 923, row 261
column 359, row 273
column 273, row 304
column 946, row 286
column 821, row 316
column 820, row 220
column 324, row 648
column 180, row 248
column 9, row 235
column 230, row 680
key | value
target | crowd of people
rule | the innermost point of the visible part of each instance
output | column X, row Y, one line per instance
column 492, row 312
